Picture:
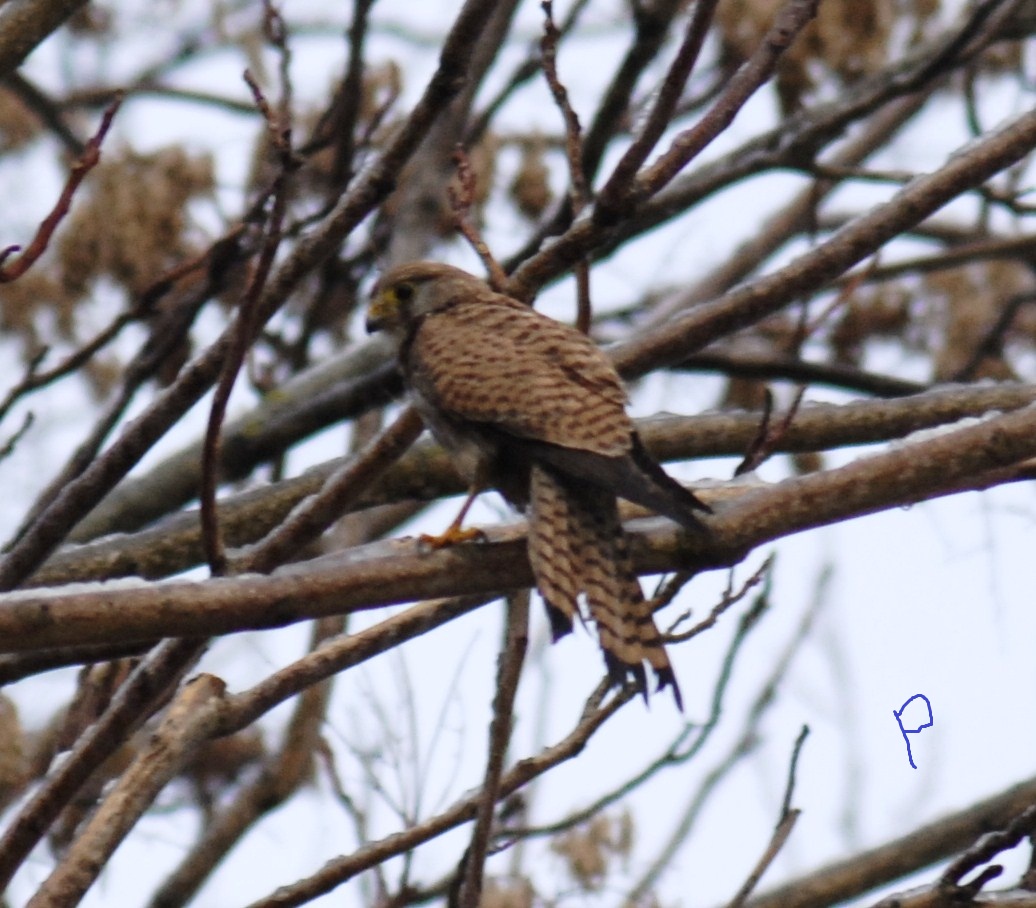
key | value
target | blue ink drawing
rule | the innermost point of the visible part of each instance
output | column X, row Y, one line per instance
column 906, row 732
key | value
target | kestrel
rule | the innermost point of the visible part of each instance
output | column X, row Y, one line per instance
column 533, row 408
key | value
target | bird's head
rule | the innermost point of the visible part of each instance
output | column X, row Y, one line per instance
column 407, row 293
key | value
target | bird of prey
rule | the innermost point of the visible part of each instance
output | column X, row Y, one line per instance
column 533, row 408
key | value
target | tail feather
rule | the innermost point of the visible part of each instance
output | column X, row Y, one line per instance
column 551, row 550
column 577, row 544
column 625, row 623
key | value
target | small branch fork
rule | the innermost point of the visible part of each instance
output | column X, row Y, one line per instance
column 582, row 236
column 986, row 848
column 791, row 19
column 662, row 111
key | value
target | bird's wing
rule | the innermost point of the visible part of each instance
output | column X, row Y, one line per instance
column 634, row 476
column 504, row 365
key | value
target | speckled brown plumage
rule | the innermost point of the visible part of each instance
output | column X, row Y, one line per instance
column 532, row 407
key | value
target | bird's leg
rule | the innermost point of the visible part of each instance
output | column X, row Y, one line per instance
column 455, row 532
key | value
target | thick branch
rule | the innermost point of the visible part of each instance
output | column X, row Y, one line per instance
column 896, row 859
column 26, row 23
column 426, row 473
column 384, row 573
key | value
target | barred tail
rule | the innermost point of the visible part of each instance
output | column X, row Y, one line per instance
column 551, row 552
column 577, row 544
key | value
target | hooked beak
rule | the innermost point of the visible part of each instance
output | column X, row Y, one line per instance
column 379, row 313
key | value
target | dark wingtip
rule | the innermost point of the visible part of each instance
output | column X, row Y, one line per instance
column 687, row 502
column 666, row 678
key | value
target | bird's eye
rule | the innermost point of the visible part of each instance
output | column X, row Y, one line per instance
column 404, row 292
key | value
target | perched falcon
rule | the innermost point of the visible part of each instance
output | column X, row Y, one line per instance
column 533, row 408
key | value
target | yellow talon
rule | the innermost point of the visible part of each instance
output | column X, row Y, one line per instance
column 455, row 533
column 452, row 536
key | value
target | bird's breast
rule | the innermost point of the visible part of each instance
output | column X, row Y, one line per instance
column 466, row 448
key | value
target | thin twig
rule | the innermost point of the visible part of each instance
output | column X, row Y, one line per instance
column 777, row 840
column 8, row 446
column 48, row 111
column 512, row 657
column 991, row 343
column 770, row 436
column 461, row 200
column 761, row 575
column 247, row 322
column 789, row 789
column 578, row 191
column 788, row 817
column 340, row 870
column 337, row 127
column 87, row 161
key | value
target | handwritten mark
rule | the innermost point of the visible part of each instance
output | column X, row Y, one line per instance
column 906, row 732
